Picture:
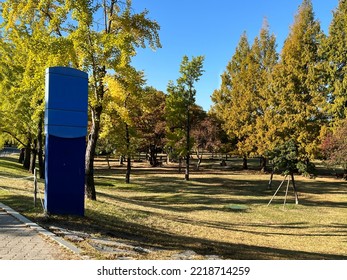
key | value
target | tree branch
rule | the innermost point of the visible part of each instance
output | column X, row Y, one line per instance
column 14, row 137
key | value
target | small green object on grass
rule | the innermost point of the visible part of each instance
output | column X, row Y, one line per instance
column 236, row 207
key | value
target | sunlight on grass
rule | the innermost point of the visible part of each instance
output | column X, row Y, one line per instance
column 163, row 209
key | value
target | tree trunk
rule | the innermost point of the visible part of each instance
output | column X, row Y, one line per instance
column 108, row 161
column 270, row 181
column 21, row 156
column 186, row 176
column 198, row 163
column 27, row 152
column 90, row 153
column 121, row 160
column 33, row 156
column 294, row 187
column 128, row 171
column 263, row 164
column 153, row 155
column 40, row 150
column 179, row 164
column 167, row 158
column 244, row 163
column 199, row 156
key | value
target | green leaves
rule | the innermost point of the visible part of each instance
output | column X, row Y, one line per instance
column 179, row 103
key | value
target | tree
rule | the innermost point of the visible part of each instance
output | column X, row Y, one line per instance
column 298, row 94
column 264, row 59
column 206, row 134
column 242, row 102
column 334, row 147
column 104, row 35
column 231, row 100
column 180, row 100
column 151, row 124
column 106, row 50
column 334, row 52
column 124, row 96
column 285, row 159
column 27, row 49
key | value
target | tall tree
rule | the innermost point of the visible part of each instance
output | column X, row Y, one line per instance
column 104, row 34
column 124, row 96
column 298, row 93
column 151, row 124
column 26, row 51
column 231, row 103
column 334, row 51
column 107, row 50
column 242, row 102
column 180, row 100
column 264, row 58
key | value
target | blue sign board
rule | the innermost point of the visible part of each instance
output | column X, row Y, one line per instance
column 66, row 118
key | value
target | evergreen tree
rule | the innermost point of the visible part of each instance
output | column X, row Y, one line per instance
column 263, row 58
column 231, row 103
column 334, row 51
column 297, row 90
column 243, row 101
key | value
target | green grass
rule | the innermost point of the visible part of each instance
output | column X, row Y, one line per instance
column 218, row 212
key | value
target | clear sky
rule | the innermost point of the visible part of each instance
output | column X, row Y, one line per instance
column 213, row 28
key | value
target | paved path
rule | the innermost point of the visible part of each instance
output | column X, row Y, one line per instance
column 21, row 239
column 8, row 151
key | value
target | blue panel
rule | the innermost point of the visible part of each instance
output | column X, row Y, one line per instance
column 66, row 120
column 66, row 131
column 67, row 71
column 66, row 89
column 69, row 124
column 65, row 169
column 66, row 102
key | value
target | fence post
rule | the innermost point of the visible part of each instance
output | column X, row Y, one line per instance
column 35, row 186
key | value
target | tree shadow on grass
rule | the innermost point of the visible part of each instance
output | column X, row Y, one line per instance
column 108, row 225
column 183, row 201
column 210, row 191
column 149, row 236
column 10, row 163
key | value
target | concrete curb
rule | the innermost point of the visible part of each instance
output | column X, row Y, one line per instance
column 41, row 230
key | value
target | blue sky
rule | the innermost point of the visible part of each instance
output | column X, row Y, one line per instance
column 213, row 29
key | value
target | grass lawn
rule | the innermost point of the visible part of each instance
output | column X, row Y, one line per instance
column 220, row 212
